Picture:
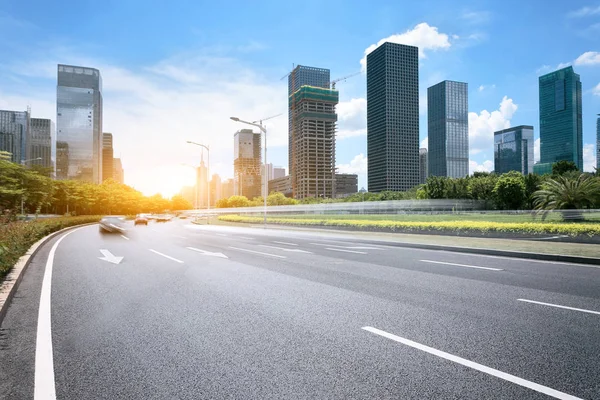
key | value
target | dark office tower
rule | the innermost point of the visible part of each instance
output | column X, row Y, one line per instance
column 301, row 76
column 423, row 165
column 42, row 143
column 513, row 150
column 448, row 129
column 14, row 132
column 393, row 117
column 246, row 163
column 79, row 120
column 107, row 156
column 561, row 134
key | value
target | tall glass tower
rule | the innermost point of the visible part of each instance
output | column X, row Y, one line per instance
column 561, row 134
column 79, row 123
column 448, row 129
column 393, row 117
column 513, row 150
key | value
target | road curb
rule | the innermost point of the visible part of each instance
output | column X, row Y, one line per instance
column 11, row 282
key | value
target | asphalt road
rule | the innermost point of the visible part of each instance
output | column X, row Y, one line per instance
column 213, row 312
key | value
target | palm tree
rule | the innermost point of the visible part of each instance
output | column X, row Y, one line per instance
column 564, row 193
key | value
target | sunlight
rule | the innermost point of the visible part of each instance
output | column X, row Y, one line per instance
column 166, row 180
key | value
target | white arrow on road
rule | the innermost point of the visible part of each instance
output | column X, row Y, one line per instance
column 108, row 256
column 208, row 253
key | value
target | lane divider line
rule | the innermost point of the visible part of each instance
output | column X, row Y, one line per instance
column 462, row 265
column 287, row 243
column 166, row 256
column 347, row 251
column 284, row 249
column 559, row 306
column 471, row 364
column 124, row 237
column 257, row 252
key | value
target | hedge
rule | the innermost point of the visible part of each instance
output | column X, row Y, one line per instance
column 574, row 229
column 17, row 237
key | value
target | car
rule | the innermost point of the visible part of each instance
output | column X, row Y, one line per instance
column 112, row 224
column 163, row 218
column 140, row 219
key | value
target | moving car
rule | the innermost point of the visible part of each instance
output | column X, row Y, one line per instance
column 140, row 219
column 163, row 218
column 112, row 225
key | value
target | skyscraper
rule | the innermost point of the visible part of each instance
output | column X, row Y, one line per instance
column 202, row 183
column 448, row 129
column 423, row 165
column 14, row 132
column 513, row 150
column 393, row 117
column 246, row 163
column 42, row 143
column 314, row 126
column 215, row 189
column 301, row 76
column 278, row 172
column 561, row 136
column 79, row 121
column 118, row 171
column 107, row 156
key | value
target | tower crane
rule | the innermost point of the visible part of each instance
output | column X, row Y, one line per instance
column 333, row 82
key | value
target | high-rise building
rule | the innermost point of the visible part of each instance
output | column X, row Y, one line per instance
column 598, row 144
column 215, row 189
column 301, row 76
column 118, row 171
column 561, row 135
column 314, row 128
column 278, row 172
column 513, row 150
column 346, row 184
column 107, row 156
column 246, row 163
column 202, row 183
column 227, row 188
column 14, row 132
column 423, row 165
column 269, row 172
column 448, row 129
column 62, row 160
column 189, row 193
column 393, row 117
column 42, row 143
column 79, row 120
column 281, row 185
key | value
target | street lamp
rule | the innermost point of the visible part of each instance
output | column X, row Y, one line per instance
column 207, row 169
column 23, row 164
column 263, row 130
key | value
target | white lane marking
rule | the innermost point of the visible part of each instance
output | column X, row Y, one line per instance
column 44, row 388
column 348, row 247
column 166, row 256
column 180, row 237
column 471, row 364
column 108, row 256
column 245, row 237
column 521, row 259
column 346, row 251
column 208, row 253
column 124, row 237
column 257, row 252
column 287, row 243
column 284, row 249
column 461, row 265
column 559, row 306
column 220, row 234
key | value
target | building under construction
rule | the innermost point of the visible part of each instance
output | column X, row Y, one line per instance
column 312, row 141
column 246, row 163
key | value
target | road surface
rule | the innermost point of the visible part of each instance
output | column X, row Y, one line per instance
column 182, row 311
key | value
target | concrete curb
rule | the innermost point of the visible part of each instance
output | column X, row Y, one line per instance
column 11, row 282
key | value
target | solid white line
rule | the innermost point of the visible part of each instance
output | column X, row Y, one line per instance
column 284, row 249
column 461, row 265
column 220, row 234
column 244, row 237
column 166, row 256
column 559, row 306
column 523, row 259
column 471, row 364
column 44, row 388
column 347, row 251
column 288, row 243
column 124, row 237
column 181, row 237
column 257, row 252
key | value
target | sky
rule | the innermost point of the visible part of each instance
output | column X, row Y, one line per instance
column 177, row 71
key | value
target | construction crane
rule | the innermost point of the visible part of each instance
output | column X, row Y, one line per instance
column 333, row 82
column 266, row 119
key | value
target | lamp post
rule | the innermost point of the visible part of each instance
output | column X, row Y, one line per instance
column 266, row 182
column 23, row 164
column 207, row 169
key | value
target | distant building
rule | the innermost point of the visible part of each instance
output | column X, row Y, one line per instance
column 227, row 188
column 215, row 189
column 282, row 185
column 14, row 132
column 346, row 184
column 423, row 165
column 393, row 117
column 118, row 171
column 62, row 160
column 189, row 193
column 79, row 121
column 278, row 172
column 202, row 183
column 107, row 156
column 513, row 150
column 542, row 168
column 448, row 129
column 42, row 143
column 246, row 163
column 561, row 135
column 269, row 172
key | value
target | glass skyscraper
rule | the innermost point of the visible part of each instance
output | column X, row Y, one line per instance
column 513, row 150
column 14, row 132
column 561, row 135
column 42, row 143
column 393, row 117
column 448, row 129
column 79, row 123
column 423, row 166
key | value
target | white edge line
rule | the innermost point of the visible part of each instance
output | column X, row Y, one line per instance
column 44, row 386
column 559, row 306
column 288, row 243
column 461, row 265
column 346, row 251
column 220, row 234
column 471, row 364
column 166, row 256
column 124, row 237
column 257, row 252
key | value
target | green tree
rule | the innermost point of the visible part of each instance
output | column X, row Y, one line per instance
column 223, row 203
column 509, row 191
column 178, row 202
column 436, row 187
column 563, row 166
column 532, row 184
column 482, row 188
column 279, row 199
column 562, row 193
column 238, row 201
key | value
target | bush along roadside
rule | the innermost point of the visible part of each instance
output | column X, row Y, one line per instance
column 455, row 227
column 17, row 237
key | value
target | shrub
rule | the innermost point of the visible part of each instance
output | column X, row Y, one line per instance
column 510, row 191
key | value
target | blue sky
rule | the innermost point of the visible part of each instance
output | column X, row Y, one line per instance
column 177, row 71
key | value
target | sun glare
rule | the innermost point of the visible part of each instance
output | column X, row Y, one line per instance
column 167, row 180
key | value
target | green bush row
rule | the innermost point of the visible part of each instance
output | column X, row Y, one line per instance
column 17, row 237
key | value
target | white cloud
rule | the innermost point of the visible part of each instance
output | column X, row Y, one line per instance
column 358, row 165
column 424, row 36
column 536, row 150
column 483, row 125
column 481, row 88
column 584, row 12
column 476, row 17
column 589, row 157
column 563, row 65
column 596, row 90
column 352, row 118
column 424, row 143
column 486, row 166
column 588, row 58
